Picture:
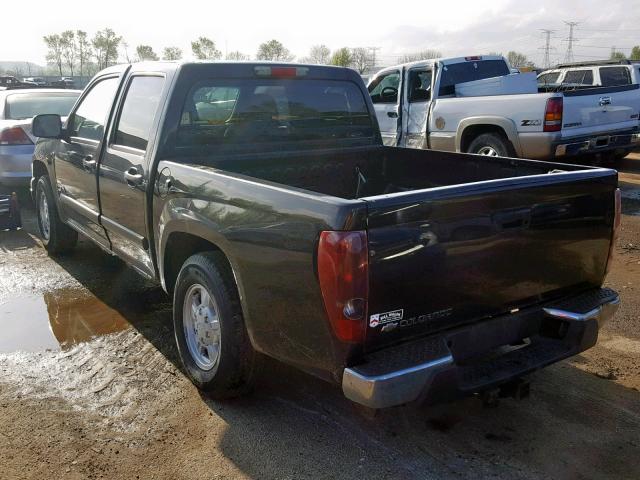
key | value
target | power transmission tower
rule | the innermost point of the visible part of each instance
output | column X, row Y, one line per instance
column 373, row 50
column 569, row 55
column 547, row 47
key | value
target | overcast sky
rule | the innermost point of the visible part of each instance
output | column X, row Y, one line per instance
column 453, row 27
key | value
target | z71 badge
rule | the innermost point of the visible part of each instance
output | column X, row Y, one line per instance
column 382, row 318
column 531, row 123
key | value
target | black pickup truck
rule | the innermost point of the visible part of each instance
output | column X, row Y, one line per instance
column 261, row 197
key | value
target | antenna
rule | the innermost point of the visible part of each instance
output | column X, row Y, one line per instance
column 547, row 46
column 568, row 58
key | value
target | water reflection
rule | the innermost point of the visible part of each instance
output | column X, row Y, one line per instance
column 55, row 320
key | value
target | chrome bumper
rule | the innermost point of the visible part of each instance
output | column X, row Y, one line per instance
column 597, row 144
column 396, row 376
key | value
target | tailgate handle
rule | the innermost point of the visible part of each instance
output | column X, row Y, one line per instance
column 513, row 219
column 604, row 101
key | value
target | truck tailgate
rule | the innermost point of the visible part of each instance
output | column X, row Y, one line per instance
column 599, row 110
column 451, row 255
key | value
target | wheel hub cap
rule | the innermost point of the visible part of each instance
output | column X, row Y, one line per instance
column 201, row 327
column 43, row 211
column 488, row 151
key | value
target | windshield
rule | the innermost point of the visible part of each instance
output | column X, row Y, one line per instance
column 20, row 106
column 469, row 71
column 245, row 113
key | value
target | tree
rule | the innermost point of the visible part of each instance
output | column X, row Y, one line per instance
column 55, row 50
column 236, row 56
column 421, row 55
column 518, row 60
column 69, row 49
column 84, row 50
column 145, row 53
column 635, row 53
column 319, row 54
column 172, row 53
column 105, row 44
column 617, row 55
column 275, row 51
column 205, row 49
column 342, row 57
column 361, row 59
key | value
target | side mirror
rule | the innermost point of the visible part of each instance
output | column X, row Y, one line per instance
column 47, row 126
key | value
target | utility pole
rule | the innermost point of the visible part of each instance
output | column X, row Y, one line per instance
column 373, row 50
column 569, row 55
column 547, row 47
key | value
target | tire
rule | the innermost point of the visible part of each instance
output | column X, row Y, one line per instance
column 56, row 236
column 491, row 144
column 230, row 369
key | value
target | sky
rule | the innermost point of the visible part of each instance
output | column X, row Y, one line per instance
column 452, row 27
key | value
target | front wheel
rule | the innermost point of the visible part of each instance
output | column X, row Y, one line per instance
column 491, row 145
column 56, row 236
column 209, row 327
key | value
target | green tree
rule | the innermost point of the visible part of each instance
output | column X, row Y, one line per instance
column 84, row 50
column 518, row 60
column 342, row 57
column 69, row 49
column 172, row 53
column 635, row 53
column 55, row 50
column 145, row 53
column 105, row 45
column 275, row 51
column 205, row 49
column 617, row 55
column 236, row 55
column 421, row 55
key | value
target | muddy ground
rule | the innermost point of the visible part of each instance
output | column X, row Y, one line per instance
column 90, row 387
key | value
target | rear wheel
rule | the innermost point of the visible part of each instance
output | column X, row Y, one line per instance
column 209, row 327
column 57, row 237
column 491, row 145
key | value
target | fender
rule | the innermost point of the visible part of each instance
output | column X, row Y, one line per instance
column 506, row 124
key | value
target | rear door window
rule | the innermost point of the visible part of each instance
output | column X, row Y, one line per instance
column 138, row 111
column 419, row 86
column 614, row 76
column 246, row 113
column 578, row 77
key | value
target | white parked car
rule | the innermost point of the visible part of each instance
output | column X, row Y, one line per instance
column 475, row 104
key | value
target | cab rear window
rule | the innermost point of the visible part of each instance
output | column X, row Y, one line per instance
column 243, row 113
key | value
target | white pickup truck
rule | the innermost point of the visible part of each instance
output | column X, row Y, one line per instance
column 476, row 105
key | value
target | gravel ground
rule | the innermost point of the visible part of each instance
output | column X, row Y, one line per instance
column 118, row 406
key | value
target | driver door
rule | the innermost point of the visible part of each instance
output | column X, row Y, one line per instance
column 417, row 102
column 384, row 95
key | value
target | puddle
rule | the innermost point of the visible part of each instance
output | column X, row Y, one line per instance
column 55, row 321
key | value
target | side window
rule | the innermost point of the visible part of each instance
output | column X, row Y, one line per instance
column 419, row 85
column 548, row 78
column 210, row 105
column 138, row 111
column 614, row 76
column 90, row 116
column 384, row 89
column 578, row 77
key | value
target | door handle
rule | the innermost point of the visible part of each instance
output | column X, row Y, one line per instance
column 133, row 177
column 88, row 162
column 392, row 114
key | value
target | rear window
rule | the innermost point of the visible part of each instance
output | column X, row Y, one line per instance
column 27, row 105
column 578, row 77
column 468, row 72
column 245, row 113
column 614, row 76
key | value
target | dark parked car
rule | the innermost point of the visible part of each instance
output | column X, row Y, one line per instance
column 262, row 198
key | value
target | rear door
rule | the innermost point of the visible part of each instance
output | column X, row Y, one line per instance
column 454, row 255
column 77, row 155
column 123, row 170
column 417, row 101
column 384, row 91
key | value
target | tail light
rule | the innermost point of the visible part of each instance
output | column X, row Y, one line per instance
column 616, row 228
column 344, row 281
column 14, row 136
column 553, row 115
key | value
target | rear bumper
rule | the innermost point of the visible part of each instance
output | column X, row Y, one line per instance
column 15, row 165
column 597, row 143
column 478, row 357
